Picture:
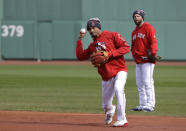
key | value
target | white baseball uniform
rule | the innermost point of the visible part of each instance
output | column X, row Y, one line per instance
column 145, row 83
column 115, row 87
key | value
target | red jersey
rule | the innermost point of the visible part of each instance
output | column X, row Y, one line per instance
column 144, row 38
column 112, row 42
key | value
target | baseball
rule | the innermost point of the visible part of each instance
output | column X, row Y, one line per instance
column 83, row 30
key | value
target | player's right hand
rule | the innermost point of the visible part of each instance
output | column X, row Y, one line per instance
column 82, row 33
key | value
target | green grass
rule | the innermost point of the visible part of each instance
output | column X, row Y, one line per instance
column 57, row 88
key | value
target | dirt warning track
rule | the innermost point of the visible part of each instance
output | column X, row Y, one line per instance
column 70, row 62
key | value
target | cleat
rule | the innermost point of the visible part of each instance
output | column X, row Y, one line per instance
column 138, row 108
column 148, row 109
column 109, row 115
column 122, row 123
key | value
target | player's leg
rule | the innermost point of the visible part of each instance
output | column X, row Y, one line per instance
column 148, row 81
column 119, row 85
column 152, row 84
column 107, row 98
column 141, row 88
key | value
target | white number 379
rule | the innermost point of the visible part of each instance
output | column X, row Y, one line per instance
column 12, row 30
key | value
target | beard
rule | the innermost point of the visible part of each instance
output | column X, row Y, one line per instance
column 93, row 35
column 138, row 22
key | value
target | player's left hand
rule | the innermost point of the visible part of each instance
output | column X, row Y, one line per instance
column 152, row 57
column 99, row 57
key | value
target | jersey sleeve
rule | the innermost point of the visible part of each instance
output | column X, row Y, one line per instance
column 132, row 44
column 121, row 45
column 80, row 52
column 152, row 40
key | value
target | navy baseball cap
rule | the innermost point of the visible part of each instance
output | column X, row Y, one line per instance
column 139, row 12
column 94, row 22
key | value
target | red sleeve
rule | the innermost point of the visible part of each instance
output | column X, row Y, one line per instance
column 80, row 52
column 152, row 40
column 121, row 45
column 132, row 44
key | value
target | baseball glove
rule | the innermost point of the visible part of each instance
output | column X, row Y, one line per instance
column 151, row 57
column 98, row 58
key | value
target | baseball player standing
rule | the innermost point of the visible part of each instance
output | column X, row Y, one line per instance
column 144, row 50
column 106, row 53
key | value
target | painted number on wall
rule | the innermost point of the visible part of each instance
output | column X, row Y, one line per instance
column 12, row 30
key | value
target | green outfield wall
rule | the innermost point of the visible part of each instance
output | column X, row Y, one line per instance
column 48, row 29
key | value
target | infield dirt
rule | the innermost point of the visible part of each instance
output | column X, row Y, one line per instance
column 50, row 121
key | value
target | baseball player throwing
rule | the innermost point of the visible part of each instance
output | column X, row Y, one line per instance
column 144, row 51
column 106, row 53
